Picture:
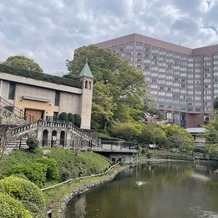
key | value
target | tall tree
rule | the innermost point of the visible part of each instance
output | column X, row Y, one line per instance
column 22, row 62
column 119, row 89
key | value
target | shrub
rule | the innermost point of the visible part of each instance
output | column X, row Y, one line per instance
column 77, row 120
column 32, row 143
column 71, row 117
column 63, row 117
column 35, row 172
column 10, row 207
column 52, row 168
column 22, row 190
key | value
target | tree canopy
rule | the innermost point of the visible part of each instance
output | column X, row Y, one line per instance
column 119, row 89
column 22, row 62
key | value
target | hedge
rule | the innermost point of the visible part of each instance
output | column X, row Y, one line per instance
column 40, row 76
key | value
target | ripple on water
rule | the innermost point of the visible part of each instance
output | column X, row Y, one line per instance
column 201, row 213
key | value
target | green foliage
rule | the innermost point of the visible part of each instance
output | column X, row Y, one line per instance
column 119, row 89
column 11, row 208
column 22, row 62
column 178, row 137
column 52, row 168
column 40, row 76
column 35, row 172
column 15, row 158
column 71, row 118
column 70, row 165
column 77, row 120
column 215, row 103
column 126, row 131
column 152, row 134
column 63, row 117
column 32, row 142
column 211, row 134
column 22, row 190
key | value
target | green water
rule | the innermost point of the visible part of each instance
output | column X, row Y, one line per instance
column 151, row 190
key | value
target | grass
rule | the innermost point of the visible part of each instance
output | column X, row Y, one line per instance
column 56, row 197
column 69, row 166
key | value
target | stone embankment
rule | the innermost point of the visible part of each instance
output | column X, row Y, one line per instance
column 86, row 188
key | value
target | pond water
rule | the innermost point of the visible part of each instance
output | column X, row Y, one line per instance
column 152, row 190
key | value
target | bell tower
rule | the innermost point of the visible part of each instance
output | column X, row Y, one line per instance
column 86, row 78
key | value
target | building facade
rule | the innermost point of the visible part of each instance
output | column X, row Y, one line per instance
column 183, row 81
column 40, row 99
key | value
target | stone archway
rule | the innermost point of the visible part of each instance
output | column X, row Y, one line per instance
column 62, row 138
column 45, row 138
column 53, row 138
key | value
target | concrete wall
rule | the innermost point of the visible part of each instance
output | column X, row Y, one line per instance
column 40, row 95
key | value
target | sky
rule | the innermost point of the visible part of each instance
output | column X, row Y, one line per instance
column 48, row 31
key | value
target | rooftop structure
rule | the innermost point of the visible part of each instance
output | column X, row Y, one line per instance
column 182, row 80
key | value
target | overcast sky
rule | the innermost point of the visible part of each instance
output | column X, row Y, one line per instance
column 48, row 31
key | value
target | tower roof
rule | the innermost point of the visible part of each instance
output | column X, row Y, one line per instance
column 86, row 72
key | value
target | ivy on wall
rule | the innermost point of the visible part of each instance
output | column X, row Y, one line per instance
column 40, row 76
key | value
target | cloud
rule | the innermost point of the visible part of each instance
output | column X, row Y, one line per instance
column 49, row 31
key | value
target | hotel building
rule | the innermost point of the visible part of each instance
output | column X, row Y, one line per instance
column 183, row 81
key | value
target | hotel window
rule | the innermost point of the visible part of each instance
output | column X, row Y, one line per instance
column 197, row 98
column 197, row 70
column 169, row 94
column 197, row 103
column 153, row 92
column 162, row 70
column 129, row 53
column 129, row 47
column 154, row 86
column 162, row 75
column 11, row 92
column 161, row 93
column 139, row 46
column 206, row 58
column 207, row 97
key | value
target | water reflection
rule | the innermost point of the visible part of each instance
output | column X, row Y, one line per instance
column 152, row 190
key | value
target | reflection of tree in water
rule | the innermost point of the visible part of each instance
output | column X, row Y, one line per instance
column 80, row 207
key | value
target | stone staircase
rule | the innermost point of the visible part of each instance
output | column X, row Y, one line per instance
column 14, row 119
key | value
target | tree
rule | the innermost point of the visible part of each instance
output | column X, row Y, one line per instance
column 22, row 62
column 178, row 137
column 119, row 89
column 126, row 131
column 215, row 104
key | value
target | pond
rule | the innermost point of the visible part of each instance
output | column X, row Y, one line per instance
column 153, row 190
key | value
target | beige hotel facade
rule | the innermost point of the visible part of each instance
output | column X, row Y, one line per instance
column 183, row 81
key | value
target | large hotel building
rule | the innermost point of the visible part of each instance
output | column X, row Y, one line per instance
column 183, row 81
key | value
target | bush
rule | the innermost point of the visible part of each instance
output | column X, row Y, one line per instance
column 77, row 120
column 35, row 172
column 52, row 168
column 63, row 117
column 32, row 143
column 71, row 118
column 22, row 190
column 11, row 208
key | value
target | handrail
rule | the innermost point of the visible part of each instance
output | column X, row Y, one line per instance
column 20, row 113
